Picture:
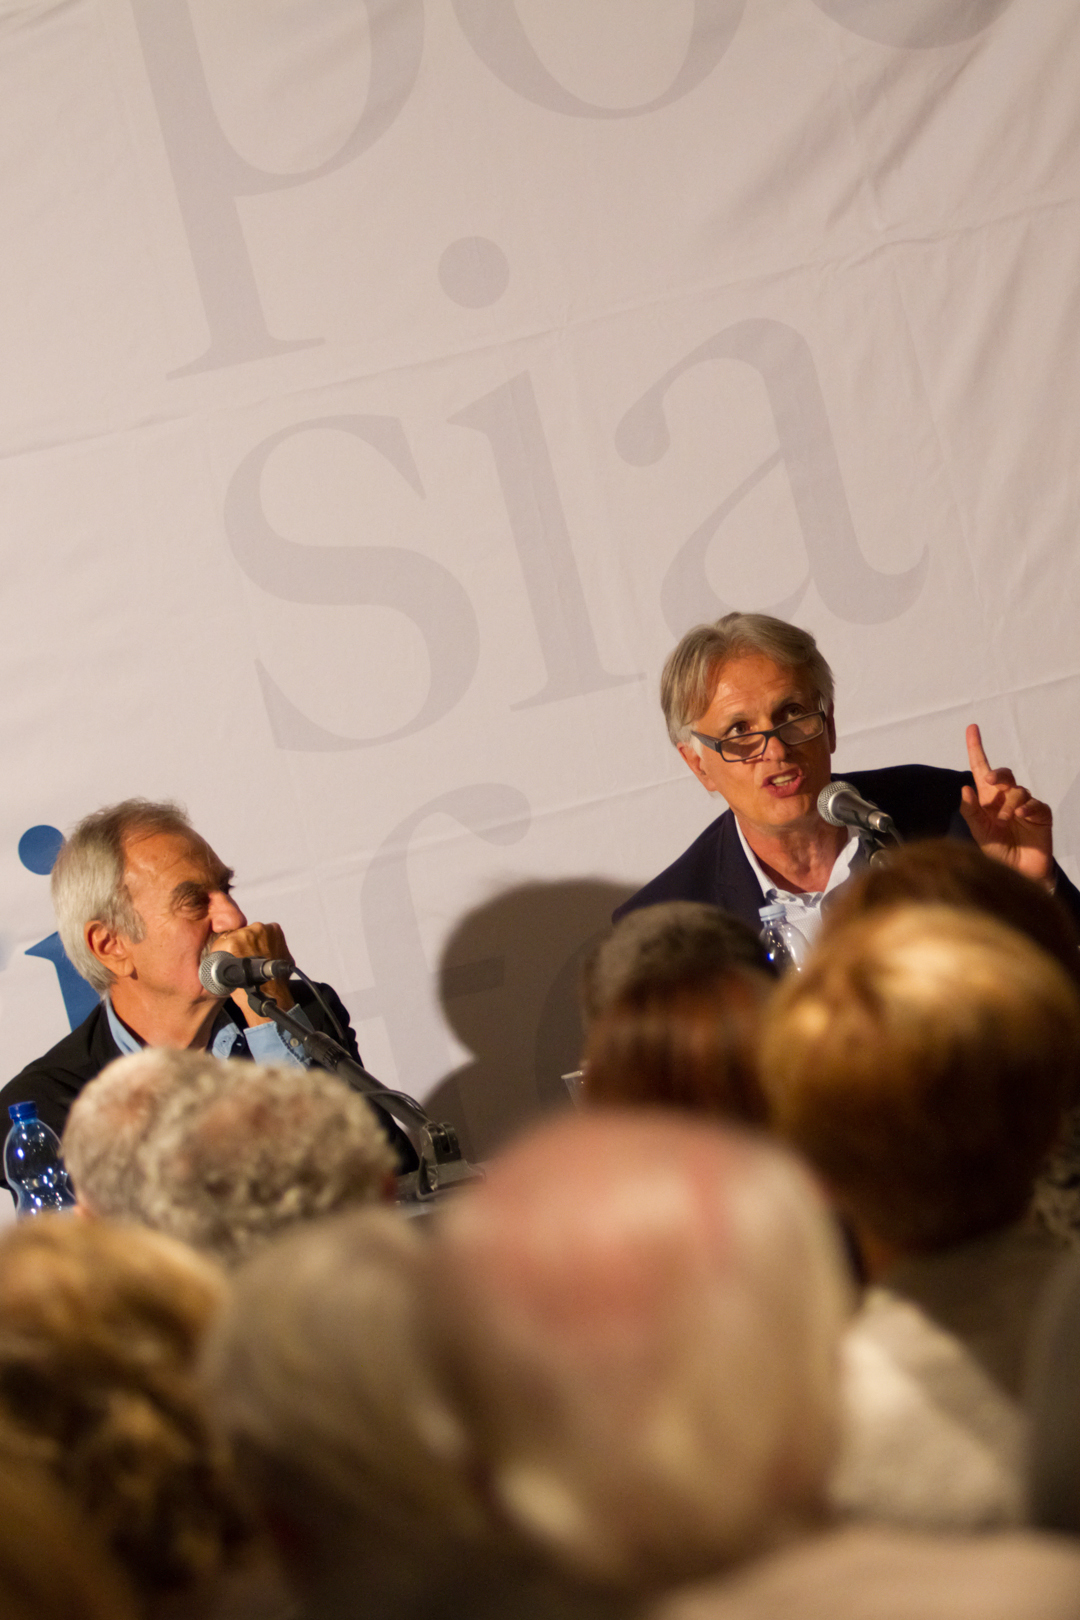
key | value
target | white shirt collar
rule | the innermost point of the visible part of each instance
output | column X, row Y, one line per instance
column 803, row 910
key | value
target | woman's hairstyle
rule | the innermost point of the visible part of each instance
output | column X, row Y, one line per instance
column 691, row 1046
column 920, row 1061
column 952, row 872
column 100, row 1327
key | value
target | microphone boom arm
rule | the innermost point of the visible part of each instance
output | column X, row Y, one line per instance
column 442, row 1163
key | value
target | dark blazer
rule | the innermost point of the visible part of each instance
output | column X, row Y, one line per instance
column 923, row 801
column 55, row 1080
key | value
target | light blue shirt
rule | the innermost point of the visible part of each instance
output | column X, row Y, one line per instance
column 263, row 1042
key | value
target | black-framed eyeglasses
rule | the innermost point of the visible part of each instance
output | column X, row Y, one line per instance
column 741, row 748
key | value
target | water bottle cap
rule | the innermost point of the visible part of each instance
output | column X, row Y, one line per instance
column 21, row 1112
column 767, row 913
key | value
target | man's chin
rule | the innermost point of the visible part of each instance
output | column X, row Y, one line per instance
column 800, row 810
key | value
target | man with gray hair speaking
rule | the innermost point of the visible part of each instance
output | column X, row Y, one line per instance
column 141, row 899
column 749, row 705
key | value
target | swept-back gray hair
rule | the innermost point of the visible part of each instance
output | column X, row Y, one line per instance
column 222, row 1154
column 88, row 876
column 690, row 674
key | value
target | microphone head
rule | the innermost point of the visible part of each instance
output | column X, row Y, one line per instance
column 825, row 799
column 210, row 972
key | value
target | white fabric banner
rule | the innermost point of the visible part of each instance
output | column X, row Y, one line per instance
column 386, row 387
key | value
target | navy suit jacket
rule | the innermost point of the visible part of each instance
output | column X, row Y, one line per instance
column 923, row 801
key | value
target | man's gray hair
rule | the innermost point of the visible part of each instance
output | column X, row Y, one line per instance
column 693, row 668
column 221, row 1154
column 88, row 876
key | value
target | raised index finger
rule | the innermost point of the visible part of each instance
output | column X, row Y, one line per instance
column 980, row 765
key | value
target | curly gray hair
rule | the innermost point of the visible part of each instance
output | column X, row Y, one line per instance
column 223, row 1154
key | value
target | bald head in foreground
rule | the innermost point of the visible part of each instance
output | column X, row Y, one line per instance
column 639, row 1319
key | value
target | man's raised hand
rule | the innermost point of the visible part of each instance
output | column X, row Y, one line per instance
column 1005, row 821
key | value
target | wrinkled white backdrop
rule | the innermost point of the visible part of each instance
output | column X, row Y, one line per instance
column 386, row 385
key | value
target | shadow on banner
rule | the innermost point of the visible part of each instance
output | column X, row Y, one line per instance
column 526, row 1037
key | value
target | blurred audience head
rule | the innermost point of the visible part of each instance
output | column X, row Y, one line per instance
column 99, row 1331
column 663, row 949
column 691, row 1047
column 52, row 1567
column 952, row 872
column 319, row 1373
column 920, row 1061
column 672, row 1001
column 223, row 1155
column 109, row 1122
column 638, row 1317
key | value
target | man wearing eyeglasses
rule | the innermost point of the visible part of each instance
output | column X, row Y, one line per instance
column 749, row 705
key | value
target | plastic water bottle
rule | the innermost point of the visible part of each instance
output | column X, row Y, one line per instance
column 784, row 945
column 33, row 1166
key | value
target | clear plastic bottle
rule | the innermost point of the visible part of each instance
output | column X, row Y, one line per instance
column 784, row 945
column 33, row 1166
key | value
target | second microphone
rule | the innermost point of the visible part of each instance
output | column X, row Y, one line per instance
column 222, row 973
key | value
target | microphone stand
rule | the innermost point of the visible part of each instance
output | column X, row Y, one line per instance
column 878, row 846
column 442, row 1163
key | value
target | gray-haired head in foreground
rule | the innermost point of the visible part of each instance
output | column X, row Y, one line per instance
column 690, row 675
column 88, row 876
column 222, row 1154
column 110, row 1121
column 662, row 948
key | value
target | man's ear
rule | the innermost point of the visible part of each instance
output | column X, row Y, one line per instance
column 693, row 759
column 830, row 729
column 110, row 948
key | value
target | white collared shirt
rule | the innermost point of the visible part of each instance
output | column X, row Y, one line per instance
column 804, row 910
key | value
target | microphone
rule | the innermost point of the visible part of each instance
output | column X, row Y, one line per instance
column 221, row 973
column 842, row 806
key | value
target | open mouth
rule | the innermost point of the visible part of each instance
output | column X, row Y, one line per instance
column 784, row 781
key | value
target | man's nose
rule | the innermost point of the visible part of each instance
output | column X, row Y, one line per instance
column 225, row 914
column 774, row 749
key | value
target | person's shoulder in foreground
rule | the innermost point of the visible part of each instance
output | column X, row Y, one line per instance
column 875, row 1573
